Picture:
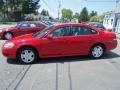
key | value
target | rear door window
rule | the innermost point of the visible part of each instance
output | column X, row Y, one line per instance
column 33, row 25
column 24, row 25
column 81, row 30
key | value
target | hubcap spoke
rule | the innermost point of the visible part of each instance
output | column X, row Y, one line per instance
column 27, row 56
column 8, row 36
column 97, row 51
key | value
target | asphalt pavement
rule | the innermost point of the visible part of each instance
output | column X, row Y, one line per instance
column 67, row 73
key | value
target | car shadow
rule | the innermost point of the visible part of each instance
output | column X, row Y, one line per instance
column 108, row 55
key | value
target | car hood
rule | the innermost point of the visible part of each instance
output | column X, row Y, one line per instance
column 7, row 29
column 22, row 38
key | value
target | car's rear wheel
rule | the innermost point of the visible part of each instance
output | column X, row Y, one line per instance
column 97, row 51
column 27, row 55
column 7, row 35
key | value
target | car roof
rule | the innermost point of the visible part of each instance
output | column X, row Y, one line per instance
column 30, row 22
column 37, row 22
column 72, row 24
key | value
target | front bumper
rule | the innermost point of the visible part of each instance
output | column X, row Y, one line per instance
column 10, row 53
column 1, row 35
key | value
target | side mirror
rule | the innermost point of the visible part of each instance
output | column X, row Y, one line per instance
column 50, row 36
column 18, row 27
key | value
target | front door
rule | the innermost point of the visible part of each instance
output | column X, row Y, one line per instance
column 58, row 45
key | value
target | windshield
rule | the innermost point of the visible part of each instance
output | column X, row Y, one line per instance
column 40, row 33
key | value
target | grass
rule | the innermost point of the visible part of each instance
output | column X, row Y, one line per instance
column 7, row 22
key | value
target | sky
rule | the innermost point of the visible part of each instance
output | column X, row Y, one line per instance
column 100, row 6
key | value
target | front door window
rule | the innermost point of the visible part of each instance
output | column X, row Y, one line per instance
column 59, row 44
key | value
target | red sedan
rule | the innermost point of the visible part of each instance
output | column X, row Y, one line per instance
column 22, row 28
column 60, row 40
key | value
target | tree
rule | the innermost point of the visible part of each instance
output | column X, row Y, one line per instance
column 93, row 13
column 31, row 17
column 84, row 17
column 30, row 6
column 15, row 9
column 96, row 19
column 66, row 14
column 77, row 15
column 4, row 8
column 44, row 12
column 1, row 2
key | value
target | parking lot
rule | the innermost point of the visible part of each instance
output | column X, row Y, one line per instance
column 66, row 73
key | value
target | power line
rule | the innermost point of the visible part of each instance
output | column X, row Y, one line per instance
column 48, row 6
column 99, row 0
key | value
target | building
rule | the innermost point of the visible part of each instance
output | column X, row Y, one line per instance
column 109, row 20
column 112, row 19
column 117, row 18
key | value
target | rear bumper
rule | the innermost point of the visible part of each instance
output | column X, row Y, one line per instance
column 112, row 45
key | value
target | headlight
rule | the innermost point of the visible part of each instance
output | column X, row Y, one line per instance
column 0, row 30
column 8, row 45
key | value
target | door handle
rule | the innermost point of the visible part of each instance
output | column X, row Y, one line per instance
column 66, row 41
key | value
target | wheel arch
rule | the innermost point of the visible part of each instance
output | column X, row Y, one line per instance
column 101, row 44
column 8, row 32
column 25, row 47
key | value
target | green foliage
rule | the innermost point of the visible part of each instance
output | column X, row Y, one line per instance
column 77, row 15
column 1, row 3
column 84, row 17
column 44, row 12
column 31, row 17
column 16, row 9
column 93, row 13
column 96, row 19
column 66, row 14
column 30, row 6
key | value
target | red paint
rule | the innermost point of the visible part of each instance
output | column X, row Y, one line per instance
column 64, row 45
column 16, row 31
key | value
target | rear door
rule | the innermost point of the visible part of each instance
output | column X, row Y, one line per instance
column 81, row 40
column 34, row 27
column 24, row 28
column 37, row 27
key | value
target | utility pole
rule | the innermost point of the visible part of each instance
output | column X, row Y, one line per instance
column 59, row 6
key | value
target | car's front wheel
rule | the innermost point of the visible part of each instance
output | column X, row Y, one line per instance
column 97, row 51
column 7, row 35
column 27, row 55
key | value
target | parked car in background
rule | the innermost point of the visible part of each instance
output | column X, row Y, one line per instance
column 25, row 27
column 99, row 26
column 47, row 22
column 67, row 39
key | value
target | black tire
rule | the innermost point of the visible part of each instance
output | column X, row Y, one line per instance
column 97, row 51
column 27, row 58
column 7, row 35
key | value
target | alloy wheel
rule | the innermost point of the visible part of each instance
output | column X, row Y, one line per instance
column 27, row 55
column 97, row 51
column 8, row 35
